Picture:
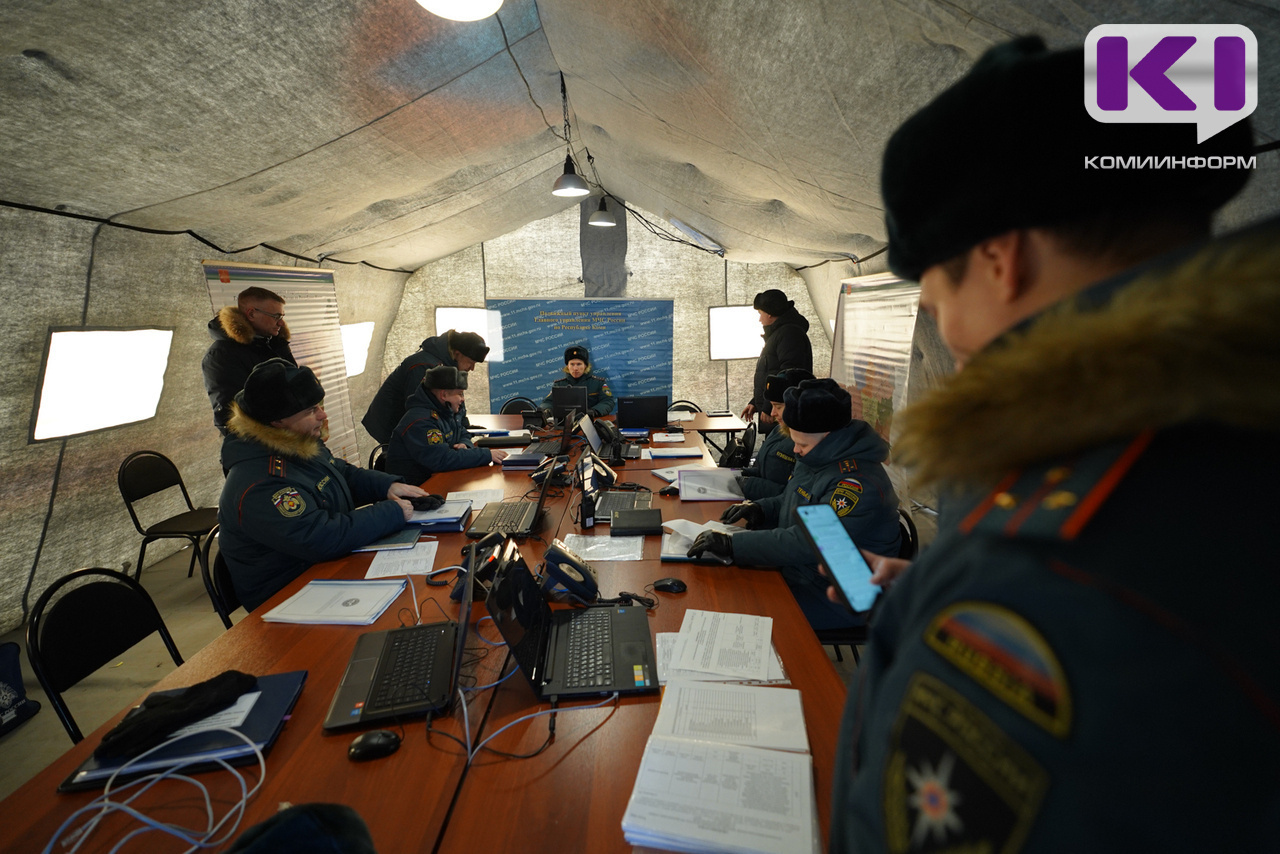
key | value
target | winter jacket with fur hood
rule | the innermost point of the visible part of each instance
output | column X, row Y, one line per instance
column 423, row 442
column 1085, row 658
column 388, row 405
column 235, row 350
column 289, row 503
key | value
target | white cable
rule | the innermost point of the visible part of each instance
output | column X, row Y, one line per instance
column 413, row 595
column 552, row 711
column 104, row 804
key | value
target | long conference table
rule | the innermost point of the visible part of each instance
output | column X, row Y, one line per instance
column 570, row 797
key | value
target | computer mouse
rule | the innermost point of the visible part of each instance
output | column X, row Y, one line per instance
column 373, row 744
column 670, row 585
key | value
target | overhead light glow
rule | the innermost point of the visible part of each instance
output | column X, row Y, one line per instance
column 569, row 184
column 461, row 10
column 602, row 217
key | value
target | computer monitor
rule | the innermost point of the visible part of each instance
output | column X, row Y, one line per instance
column 647, row 412
column 566, row 399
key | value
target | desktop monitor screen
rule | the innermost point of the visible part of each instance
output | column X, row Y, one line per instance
column 565, row 399
column 647, row 412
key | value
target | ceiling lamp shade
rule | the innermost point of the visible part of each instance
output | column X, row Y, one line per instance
column 461, row 10
column 569, row 184
column 602, row 217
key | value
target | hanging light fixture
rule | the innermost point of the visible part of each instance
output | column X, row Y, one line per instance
column 570, row 183
column 602, row 217
column 461, row 10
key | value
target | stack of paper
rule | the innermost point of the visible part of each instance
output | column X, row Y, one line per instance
column 347, row 603
column 681, row 534
column 671, row 473
column 727, row 768
column 663, row 453
column 450, row 516
column 670, row 647
column 707, row 484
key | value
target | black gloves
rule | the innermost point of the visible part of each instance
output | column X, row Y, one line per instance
column 748, row 511
column 720, row 545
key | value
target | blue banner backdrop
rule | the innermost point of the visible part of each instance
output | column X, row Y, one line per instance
column 629, row 342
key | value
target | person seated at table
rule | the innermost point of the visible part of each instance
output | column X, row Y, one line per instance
column 288, row 502
column 839, row 461
column 577, row 366
column 432, row 434
column 769, row 474
column 462, row 350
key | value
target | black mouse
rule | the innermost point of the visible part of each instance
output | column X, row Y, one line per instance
column 373, row 744
column 670, row 585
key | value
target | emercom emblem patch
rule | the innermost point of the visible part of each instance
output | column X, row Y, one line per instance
column 1005, row 654
column 846, row 496
column 435, row 437
column 289, row 502
column 954, row 781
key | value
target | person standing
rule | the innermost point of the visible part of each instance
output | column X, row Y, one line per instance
column 432, row 434
column 786, row 345
column 461, row 350
column 577, row 367
column 1084, row 659
column 288, row 502
column 244, row 335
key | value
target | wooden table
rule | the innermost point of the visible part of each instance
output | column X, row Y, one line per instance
column 569, row 798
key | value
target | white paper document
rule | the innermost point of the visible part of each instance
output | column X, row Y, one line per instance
column 752, row 715
column 710, row 485
column 668, row 437
column 419, row 560
column 676, row 544
column 350, row 603
column 671, row 473
column 664, row 453
column 679, row 415
column 478, row 497
column 696, row 796
column 737, row 645
column 450, row 510
column 666, row 644
column 230, row 717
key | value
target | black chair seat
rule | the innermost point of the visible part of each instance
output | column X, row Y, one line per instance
column 193, row 523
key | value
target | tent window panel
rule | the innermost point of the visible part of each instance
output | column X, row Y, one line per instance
column 735, row 332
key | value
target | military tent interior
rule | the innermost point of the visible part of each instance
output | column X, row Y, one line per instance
column 414, row 157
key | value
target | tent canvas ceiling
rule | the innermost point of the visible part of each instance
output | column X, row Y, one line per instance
column 374, row 131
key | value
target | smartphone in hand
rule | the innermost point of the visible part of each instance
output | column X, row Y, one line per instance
column 836, row 551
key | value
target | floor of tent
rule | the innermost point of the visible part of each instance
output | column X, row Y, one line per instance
column 191, row 620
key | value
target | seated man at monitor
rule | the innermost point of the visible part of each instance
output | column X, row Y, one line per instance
column 288, row 502
column 577, row 367
column 769, row 474
column 432, row 434
column 461, row 350
column 839, row 461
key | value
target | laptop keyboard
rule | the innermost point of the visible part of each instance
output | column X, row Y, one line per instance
column 404, row 673
column 590, row 658
column 620, row 450
column 544, row 447
column 509, row 517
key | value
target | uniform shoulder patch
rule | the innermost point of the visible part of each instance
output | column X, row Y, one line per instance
column 954, row 781
column 846, row 496
column 435, row 436
column 847, row 466
column 289, row 502
column 604, row 389
column 1003, row 652
column 275, row 466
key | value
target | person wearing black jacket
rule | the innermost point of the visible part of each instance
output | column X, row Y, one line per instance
column 244, row 335
column 786, row 345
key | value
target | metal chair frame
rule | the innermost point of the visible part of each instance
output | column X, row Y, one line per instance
column 145, row 473
column 217, row 581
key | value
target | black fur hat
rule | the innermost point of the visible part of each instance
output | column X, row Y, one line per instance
column 1006, row 146
column 277, row 389
column 577, row 352
column 444, row 377
column 468, row 344
column 817, row 406
column 772, row 301
column 776, row 384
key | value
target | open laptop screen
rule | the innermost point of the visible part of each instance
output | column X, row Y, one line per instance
column 565, row 399
column 520, row 613
column 647, row 412
column 588, row 428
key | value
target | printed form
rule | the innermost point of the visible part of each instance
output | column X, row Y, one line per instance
column 737, row 645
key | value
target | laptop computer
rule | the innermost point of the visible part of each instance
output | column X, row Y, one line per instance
column 402, row 673
column 555, row 446
column 514, row 518
column 570, row 652
column 649, row 413
column 604, row 500
column 613, row 448
column 566, row 399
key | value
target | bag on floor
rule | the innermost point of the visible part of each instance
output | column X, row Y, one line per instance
column 15, row 708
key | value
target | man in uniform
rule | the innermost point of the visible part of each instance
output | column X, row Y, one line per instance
column 288, row 502
column 839, row 461
column 245, row 334
column 786, row 345
column 577, row 366
column 777, row 457
column 1085, row 657
column 461, row 350
column 432, row 435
